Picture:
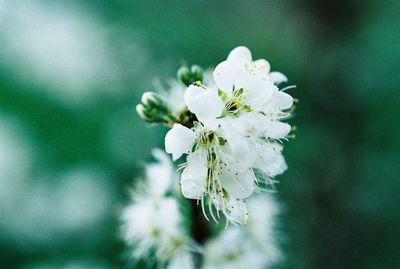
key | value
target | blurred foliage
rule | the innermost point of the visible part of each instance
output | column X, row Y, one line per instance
column 71, row 74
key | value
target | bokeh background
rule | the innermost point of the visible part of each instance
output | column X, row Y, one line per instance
column 71, row 143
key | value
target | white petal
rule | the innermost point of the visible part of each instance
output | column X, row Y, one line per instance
column 204, row 103
column 250, row 124
column 194, row 175
column 278, row 77
column 237, row 184
column 179, row 140
column 240, row 56
column 236, row 211
column 270, row 159
column 227, row 71
column 277, row 166
column 238, row 153
column 277, row 129
column 258, row 90
column 261, row 67
column 281, row 100
column 224, row 76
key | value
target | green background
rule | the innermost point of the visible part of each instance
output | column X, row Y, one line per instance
column 71, row 74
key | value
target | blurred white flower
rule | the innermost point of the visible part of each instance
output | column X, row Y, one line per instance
column 182, row 260
column 253, row 246
column 160, row 175
column 153, row 225
column 231, row 249
column 153, row 222
column 65, row 53
column 262, row 226
column 173, row 95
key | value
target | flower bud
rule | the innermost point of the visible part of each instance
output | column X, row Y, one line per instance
column 183, row 75
column 189, row 76
column 140, row 109
column 151, row 99
column 196, row 72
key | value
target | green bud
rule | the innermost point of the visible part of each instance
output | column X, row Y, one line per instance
column 189, row 76
column 140, row 109
column 151, row 99
column 183, row 75
column 196, row 73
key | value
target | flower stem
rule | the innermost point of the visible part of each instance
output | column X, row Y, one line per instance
column 200, row 230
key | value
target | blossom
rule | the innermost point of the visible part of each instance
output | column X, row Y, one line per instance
column 160, row 175
column 182, row 259
column 255, row 246
column 153, row 222
column 262, row 226
column 212, row 167
column 250, row 86
column 233, row 138
column 153, row 225
column 231, row 249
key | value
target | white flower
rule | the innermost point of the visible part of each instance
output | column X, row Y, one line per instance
column 231, row 249
column 182, row 260
column 153, row 225
column 240, row 73
column 249, row 86
column 239, row 66
column 234, row 130
column 253, row 246
column 212, row 168
column 261, row 227
column 160, row 175
column 153, row 222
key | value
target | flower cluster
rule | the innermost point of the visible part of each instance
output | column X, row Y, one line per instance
column 230, row 125
column 154, row 226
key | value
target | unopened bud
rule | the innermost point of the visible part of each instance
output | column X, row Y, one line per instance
column 196, row 72
column 151, row 99
column 140, row 109
column 189, row 76
column 183, row 75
